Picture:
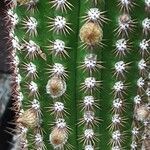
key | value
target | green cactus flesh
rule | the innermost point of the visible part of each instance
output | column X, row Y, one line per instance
column 90, row 35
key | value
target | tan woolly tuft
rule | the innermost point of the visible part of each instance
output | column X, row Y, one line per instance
column 22, row 2
column 125, row 18
column 56, row 87
column 29, row 119
column 91, row 33
column 58, row 137
column 142, row 113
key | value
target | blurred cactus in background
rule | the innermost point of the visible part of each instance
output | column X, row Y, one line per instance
column 81, row 74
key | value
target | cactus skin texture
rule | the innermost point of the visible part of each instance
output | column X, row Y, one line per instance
column 79, row 74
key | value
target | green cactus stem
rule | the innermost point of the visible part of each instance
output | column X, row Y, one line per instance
column 79, row 70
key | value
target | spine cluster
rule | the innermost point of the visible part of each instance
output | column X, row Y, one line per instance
column 91, row 35
column 125, row 26
column 28, row 117
column 140, row 131
column 21, row 131
column 56, row 86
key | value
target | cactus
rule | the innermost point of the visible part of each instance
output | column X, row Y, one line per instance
column 81, row 73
